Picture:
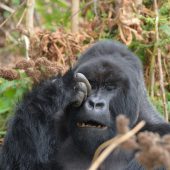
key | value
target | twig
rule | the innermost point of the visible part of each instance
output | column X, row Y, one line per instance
column 21, row 18
column 11, row 37
column 75, row 18
column 30, row 16
column 152, row 75
column 4, row 22
column 27, row 46
column 86, row 5
column 7, row 8
column 116, row 143
column 23, row 31
column 95, row 8
column 102, row 147
column 29, row 25
column 160, row 62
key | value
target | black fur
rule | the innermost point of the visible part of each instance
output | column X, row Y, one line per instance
column 43, row 134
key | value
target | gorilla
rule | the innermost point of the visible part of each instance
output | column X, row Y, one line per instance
column 60, row 123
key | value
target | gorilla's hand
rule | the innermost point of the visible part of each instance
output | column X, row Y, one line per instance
column 82, row 89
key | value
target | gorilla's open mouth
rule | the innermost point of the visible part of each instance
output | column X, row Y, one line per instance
column 91, row 124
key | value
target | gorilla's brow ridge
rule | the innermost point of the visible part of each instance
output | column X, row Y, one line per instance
column 106, row 71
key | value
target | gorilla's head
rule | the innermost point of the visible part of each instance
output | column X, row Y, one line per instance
column 114, row 74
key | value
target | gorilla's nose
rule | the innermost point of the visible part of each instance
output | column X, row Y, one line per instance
column 95, row 103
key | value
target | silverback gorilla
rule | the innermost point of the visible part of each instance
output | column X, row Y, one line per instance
column 61, row 122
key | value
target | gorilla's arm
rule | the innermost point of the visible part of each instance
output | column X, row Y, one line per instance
column 134, row 165
column 33, row 131
column 154, row 121
column 38, row 127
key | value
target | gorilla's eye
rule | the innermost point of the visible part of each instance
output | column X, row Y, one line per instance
column 110, row 87
column 93, row 84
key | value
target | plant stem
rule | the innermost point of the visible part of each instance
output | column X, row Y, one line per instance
column 160, row 63
column 116, row 142
column 75, row 16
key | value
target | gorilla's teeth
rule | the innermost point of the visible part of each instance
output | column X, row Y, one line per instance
column 86, row 125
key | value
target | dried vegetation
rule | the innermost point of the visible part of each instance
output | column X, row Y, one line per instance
column 151, row 150
column 49, row 54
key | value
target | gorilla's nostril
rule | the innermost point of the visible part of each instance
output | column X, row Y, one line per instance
column 95, row 105
column 91, row 103
column 99, row 105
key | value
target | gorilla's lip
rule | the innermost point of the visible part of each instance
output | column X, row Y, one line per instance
column 91, row 124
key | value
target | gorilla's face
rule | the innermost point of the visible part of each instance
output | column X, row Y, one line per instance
column 114, row 91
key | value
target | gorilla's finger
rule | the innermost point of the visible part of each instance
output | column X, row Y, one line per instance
column 81, row 78
column 82, row 87
column 79, row 99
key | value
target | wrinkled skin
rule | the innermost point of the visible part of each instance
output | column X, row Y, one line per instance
column 62, row 121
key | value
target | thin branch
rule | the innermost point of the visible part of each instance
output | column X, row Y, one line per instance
column 29, row 25
column 11, row 38
column 152, row 74
column 95, row 8
column 160, row 62
column 21, row 18
column 22, row 31
column 75, row 18
column 102, row 147
column 20, row 6
column 30, row 16
column 114, row 144
column 7, row 8
column 86, row 5
column 27, row 46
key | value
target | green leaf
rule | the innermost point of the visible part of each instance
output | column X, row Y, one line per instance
column 166, row 29
column 5, row 106
column 15, row 2
column 61, row 3
column 168, row 96
column 10, row 93
column 2, row 133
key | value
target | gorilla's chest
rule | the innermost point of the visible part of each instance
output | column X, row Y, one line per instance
column 70, row 158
